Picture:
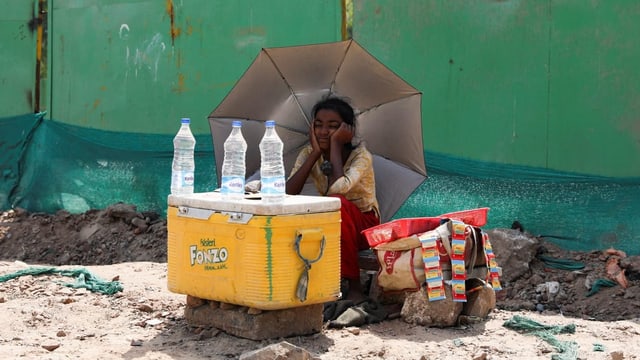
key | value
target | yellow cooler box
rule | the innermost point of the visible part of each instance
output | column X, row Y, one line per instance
column 266, row 256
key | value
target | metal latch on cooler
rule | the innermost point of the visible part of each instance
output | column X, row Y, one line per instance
column 238, row 217
column 194, row 213
column 205, row 214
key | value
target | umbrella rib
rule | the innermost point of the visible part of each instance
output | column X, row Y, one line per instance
column 335, row 76
column 378, row 105
column 289, row 86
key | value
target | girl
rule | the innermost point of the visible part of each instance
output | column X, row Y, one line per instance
column 345, row 171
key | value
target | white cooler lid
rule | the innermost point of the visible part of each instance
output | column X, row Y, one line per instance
column 293, row 204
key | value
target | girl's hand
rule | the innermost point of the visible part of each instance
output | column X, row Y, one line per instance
column 313, row 140
column 343, row 135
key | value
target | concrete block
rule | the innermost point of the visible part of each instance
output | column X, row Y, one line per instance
column 242, row 322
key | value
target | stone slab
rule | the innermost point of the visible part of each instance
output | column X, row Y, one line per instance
column 256, row 324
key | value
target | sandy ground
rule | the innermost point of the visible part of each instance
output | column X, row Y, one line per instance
column 42, row 319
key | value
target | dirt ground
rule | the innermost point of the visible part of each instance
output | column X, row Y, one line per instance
column 44, row 319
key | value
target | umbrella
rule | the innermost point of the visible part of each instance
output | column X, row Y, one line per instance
column 284, row 83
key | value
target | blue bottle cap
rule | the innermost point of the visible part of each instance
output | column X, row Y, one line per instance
column 270, row 123
column 185, row 120
column 236, row 123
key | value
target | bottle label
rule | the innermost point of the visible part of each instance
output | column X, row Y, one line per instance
column 274, row 185
column 188, row 178
column 181, row 179
column 232, row 185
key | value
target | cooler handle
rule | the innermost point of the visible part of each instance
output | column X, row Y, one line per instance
column 303, row 281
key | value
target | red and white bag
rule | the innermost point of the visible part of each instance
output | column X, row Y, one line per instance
column 401, row 263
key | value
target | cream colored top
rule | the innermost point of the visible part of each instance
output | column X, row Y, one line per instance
column 357, row 184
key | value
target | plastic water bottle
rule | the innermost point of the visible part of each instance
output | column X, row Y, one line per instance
column 233, row 165
column 272, row 188
column 183, row 167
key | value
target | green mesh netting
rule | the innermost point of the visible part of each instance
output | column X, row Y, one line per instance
column 47, row 165
column 15, row 137
column 578, row 212
column 568, row 349
column 84, row 278
column 74, row 168
column 599, row 284
column 562, row 264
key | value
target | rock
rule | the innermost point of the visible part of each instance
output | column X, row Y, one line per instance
column 617, row 355
column 214, row 304
column 279, row 351
column 632, row 267
column 418, row 310
column 570, row 277
column 536, row 279
column 514, row 251
column 140, row 224
column 87, row 231
column 548, row 290
column 253, row 311
column 518, row 304
column 632, row 292
column 208, row 334
column 50, row 347
column 228, row 306
column 145, row 308
column 122, row 211
column 480, row 356
column 154, row 322
column 480, row 302
column 194, row 302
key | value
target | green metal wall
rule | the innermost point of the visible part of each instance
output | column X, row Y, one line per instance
column 113, row 80
column 546, row 84
column 594, row 102
column 17, row 57
column 140, row 65
column 529, row 107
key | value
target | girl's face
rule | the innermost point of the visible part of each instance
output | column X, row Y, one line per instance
column 324, row 125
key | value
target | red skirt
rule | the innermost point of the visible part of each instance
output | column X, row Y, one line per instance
column 353, row 222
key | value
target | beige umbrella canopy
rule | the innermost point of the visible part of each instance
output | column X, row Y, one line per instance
column 283, row 84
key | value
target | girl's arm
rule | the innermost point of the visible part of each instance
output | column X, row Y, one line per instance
column 296, row 181
column 339, row 139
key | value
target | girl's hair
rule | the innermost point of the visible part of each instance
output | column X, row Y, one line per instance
column 338, row 105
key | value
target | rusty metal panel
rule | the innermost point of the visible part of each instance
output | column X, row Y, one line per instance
column 18, row 35
column 138, row 66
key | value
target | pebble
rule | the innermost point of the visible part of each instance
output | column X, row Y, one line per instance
column 617, row 355
column 136, row 342
column 481, row 356
column 354, row 330
column 50, row 347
